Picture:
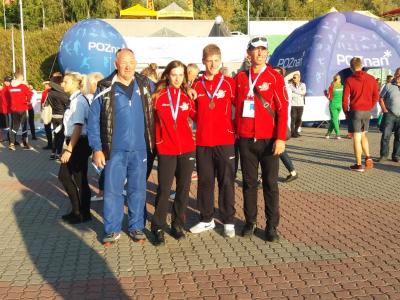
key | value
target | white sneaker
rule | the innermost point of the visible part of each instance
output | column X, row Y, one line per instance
column 172, row 196
column 202, row 226
column 96, row 198
column 229, row 230
column 327, row 136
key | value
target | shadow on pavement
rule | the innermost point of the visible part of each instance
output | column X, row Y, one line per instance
column 63, row 256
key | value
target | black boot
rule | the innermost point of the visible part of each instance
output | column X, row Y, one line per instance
column 248, row 229
column 159, row 237
column 177, row 233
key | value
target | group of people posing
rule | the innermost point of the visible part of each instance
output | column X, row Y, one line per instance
column 131, row 120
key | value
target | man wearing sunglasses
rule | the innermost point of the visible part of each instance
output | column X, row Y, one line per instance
column 261, row 124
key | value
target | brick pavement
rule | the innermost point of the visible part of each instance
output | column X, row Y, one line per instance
column 339, row 229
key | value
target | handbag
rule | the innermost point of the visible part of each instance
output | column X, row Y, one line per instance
column 47, row 113
column 267, row 106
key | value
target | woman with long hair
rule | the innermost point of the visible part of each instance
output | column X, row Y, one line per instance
column 335, row 93
column 175, row 149
column 76, row 151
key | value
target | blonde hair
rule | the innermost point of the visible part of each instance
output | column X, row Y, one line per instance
column 337, row 81
column 151, row 72
column 91, row 81
column 211, row 49
column 79, row 79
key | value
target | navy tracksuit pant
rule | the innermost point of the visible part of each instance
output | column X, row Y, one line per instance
column 130, row 165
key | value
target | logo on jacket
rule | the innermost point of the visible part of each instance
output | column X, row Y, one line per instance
column 221, row 94
column 264, row 86
column 184, row 106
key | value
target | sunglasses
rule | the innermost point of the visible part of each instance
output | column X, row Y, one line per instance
column 257, row 39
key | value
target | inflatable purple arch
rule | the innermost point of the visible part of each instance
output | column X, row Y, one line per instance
column 325, row 45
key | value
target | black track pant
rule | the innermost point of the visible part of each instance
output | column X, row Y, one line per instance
column 170, row 166
column 49, row 135
column 73, row 176
column 18, row 119
column 253, row 154
column 218, row 161
column 296, row 113
column 59, row 137
column 31, row 120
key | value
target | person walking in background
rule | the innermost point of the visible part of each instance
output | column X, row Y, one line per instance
column 175, row 149
column 121, row 134
column 390, row 104
column 298, row 90
column 335, row 95
column 359, row 98
column 59, row 101
column 284, row 157
column 215, row 144
column 47, row 127
column 20, row 97
column 76, row 152
column 261, row 122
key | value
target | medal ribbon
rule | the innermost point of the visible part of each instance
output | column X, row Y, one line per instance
column 175, row 111
column 216, row 90
column 250, row 94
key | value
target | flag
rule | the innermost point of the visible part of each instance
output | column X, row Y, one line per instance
column 150, row 4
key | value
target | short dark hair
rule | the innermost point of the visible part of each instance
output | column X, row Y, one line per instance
column 355, row 63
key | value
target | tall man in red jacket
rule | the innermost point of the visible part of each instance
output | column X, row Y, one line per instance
column 360, row 95
column 215, row 140
column 20, row 96
column 261, row 124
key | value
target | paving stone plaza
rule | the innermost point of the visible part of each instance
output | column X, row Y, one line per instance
column 340, row 237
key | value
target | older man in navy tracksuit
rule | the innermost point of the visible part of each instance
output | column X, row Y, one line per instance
column 121, row 134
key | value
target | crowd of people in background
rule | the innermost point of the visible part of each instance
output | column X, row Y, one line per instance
column 190, row 123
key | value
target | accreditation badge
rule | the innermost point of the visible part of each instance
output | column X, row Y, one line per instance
column 248, row 109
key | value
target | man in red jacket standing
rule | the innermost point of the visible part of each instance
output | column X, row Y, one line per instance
column 5, row 118
column 20, row 96
column 215, row 139
column 261, row 124
column 360, row 95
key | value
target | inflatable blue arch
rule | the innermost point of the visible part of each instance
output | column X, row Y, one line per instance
column 325, row 45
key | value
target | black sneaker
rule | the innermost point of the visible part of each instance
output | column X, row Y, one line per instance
column 290, row 178
column 271, row 236
column 138, row 235
column 395, row 159
column 52, row 156
column 177, row 233
column 67, row 216
column 248, row 229
column 159, row 237
column 357, row 168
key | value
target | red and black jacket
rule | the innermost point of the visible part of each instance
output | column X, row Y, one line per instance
column 171, row 140
column 214, row 125
column 20, row 96
column 271, row 86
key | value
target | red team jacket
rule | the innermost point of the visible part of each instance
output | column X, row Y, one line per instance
column 214, row 126
column 5, row 105
column 171, row 141
column 271, row 86
column 20, row 96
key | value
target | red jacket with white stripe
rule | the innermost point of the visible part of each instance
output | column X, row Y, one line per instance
column 20, row 96
column 170, row 140
column 271, row 86
column 214, row 126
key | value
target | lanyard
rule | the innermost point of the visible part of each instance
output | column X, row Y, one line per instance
column 174, row 112
column 216, row 90
column 250, row 94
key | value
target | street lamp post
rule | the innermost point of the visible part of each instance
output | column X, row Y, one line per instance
column 218, row 21
column 248, row 17
column 13, row 47
column 23, row 38
column 4, row 15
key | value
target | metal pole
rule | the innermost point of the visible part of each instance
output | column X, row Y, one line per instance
column 43, row 17
column 248, row 17
column 23, row 38
column 4, row 15
column 13, row 47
